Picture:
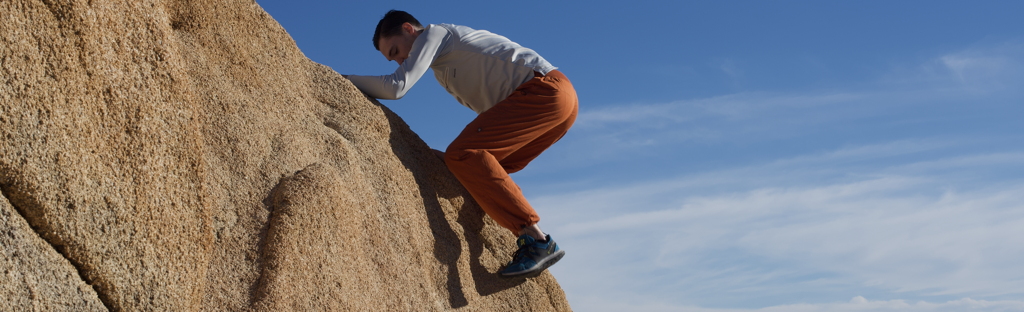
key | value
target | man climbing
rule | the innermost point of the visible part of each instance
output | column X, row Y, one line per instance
column 524, row 105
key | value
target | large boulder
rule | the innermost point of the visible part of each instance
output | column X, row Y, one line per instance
column 185, row 156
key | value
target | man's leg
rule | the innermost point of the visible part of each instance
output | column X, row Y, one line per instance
column 505, row 139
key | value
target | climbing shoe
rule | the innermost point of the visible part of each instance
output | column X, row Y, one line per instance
column 532, row 256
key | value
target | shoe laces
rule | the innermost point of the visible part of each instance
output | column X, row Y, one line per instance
column 519, row 254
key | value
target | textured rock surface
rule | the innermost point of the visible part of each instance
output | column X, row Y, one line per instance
column 185, row 156
column 35, row 277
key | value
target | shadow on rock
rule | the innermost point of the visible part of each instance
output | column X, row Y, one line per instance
column 435, row 181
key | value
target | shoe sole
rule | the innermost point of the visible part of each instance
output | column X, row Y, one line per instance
column 540, row 267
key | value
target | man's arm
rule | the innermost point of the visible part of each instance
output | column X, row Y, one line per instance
column 392, row 87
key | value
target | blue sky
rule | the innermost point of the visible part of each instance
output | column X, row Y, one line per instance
column 755, row 155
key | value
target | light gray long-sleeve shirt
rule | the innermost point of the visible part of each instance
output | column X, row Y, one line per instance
column 477, row 67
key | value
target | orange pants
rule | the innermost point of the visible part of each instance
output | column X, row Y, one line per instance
column 505, row 138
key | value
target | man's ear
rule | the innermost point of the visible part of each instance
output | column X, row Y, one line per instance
column 408, row 28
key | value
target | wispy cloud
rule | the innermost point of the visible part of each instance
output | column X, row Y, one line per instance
column 733, row 107
column 988, row 67
column 907, row 193
column 983, row 67
column 909, row 105
column 906, row 229
column 858, row 303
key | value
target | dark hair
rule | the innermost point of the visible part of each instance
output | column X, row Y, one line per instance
column 391, row 24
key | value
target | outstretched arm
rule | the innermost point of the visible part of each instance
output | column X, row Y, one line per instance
column 392, row 87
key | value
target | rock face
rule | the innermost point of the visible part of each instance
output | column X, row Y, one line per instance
column 185, row 156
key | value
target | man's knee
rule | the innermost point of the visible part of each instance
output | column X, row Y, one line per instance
column 454, row 156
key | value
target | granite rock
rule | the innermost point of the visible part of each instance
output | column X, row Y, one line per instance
column 186, row 156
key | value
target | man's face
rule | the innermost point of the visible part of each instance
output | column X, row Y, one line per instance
column 396, row 48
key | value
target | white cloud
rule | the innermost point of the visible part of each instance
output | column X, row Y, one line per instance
column 892, row 194
column 986, row 67
column 972, row 67
column 924, row 229
column 623, row 132
column 858, row 303
column 735, row 107
column 978, row 84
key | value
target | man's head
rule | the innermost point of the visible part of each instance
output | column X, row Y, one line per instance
column 395, row 34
